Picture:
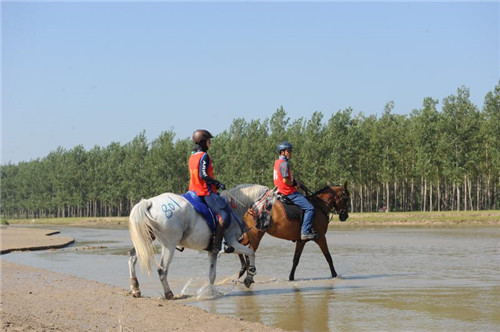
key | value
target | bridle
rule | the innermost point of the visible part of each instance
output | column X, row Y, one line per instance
column 345, row 199
column 330, row 209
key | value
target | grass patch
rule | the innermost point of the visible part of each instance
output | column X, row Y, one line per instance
column 491, row 217
column 108, row 222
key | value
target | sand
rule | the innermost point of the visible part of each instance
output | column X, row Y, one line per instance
column 39, row 300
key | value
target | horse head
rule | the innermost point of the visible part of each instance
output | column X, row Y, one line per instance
column 337, row 198
column 342, row 202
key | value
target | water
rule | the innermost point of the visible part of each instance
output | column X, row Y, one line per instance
column 390, row 278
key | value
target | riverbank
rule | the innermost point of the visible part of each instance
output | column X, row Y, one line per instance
column 490, row 217
column 20, row 239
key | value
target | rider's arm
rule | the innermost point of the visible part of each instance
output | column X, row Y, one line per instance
column 204, row 164
column 285, row 174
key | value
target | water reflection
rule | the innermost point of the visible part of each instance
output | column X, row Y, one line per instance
column 309, row 309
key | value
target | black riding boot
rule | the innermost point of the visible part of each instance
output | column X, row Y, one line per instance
column 218, row 236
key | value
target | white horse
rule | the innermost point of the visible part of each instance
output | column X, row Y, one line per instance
column 173, row 222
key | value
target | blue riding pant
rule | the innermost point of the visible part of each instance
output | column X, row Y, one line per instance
column 302, row 202
column 218, row 204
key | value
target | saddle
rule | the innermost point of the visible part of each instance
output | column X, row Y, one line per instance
column 200, row 207
column 290, row 210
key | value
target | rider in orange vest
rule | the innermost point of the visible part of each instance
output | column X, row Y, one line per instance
column 287, row 186
column 203, row 182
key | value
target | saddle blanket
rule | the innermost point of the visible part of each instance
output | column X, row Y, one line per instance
column 200, row 207
column 290, row 210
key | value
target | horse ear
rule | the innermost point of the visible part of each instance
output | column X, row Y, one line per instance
column 345, row 185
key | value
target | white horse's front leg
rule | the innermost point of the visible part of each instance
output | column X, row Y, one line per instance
column 166, row 257
column 212, row 272
column 252, row 270
column 134, row 283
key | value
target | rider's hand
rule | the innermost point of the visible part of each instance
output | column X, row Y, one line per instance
column 220, row 185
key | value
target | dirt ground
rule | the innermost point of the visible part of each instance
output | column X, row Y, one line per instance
column 33, row 299
column 39, row 300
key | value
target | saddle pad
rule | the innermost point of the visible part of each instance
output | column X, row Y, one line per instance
column 292, row 211
column 200, row 207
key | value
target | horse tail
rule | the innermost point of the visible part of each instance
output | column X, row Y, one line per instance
column 140, row 227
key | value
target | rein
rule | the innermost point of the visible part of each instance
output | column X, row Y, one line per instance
column 333, row 209
column 237, row 200
column 313, row 196
column 250, row 211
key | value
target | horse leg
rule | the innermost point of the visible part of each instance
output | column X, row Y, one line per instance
column 166, row 257
column 249, row 265
column 299, row 247
column 247, row 255
column 323, row 245
column 244, row 265
column 134, row 283
column 212, row 272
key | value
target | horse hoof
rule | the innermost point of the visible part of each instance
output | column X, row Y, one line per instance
column 248, row 282
column 136, row 294
column 169, row 295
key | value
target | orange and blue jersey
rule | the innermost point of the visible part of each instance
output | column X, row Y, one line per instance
column 202, row 174
column 282, row 170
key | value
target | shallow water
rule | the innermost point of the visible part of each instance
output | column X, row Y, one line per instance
column 390, row 278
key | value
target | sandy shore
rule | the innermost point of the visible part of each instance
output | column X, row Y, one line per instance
column 39, row 300
column 17, row 238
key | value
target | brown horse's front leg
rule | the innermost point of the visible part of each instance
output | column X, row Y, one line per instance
column 324, row 248
column 299, row 247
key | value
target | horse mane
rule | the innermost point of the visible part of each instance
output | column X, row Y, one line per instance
column 323, row 189
column 245, row 191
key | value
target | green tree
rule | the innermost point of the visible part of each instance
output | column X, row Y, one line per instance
column 491, row 149
column 425, row 140
column 461, row 125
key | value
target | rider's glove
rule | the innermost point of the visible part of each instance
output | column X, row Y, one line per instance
column 220, row 185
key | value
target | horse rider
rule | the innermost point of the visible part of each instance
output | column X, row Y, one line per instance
column 287, row 185
column 202, row 182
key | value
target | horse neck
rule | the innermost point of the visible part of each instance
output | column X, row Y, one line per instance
column 244, row 196
column 328, row 196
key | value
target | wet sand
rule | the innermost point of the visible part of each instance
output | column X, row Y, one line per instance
column 16, row 238
column 39, row 300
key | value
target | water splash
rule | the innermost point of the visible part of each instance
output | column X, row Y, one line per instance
column 186, row 285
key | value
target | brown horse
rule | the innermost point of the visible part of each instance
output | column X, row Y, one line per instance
column 327, row 200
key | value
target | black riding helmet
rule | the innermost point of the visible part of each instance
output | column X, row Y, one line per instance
column 201, row 135
column 200, row 138
column 283, row 146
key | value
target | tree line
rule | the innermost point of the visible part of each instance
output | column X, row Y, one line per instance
column 428, row 160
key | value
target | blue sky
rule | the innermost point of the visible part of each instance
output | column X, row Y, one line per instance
column 93, row 73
